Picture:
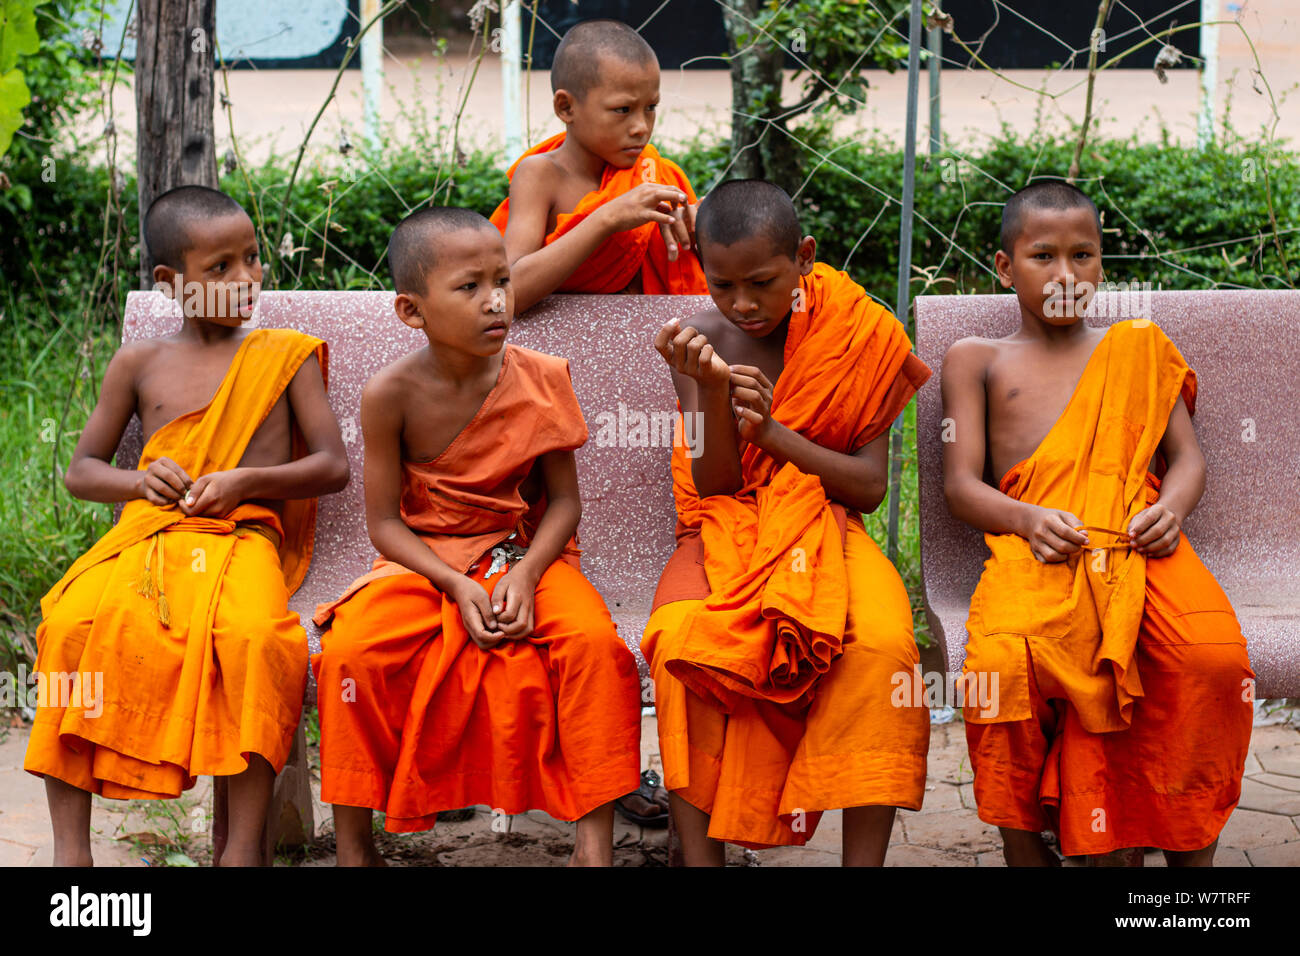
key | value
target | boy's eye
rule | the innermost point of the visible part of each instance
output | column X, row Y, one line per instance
column 219, row 267
column 470, row 286
column 504, row 280
column 762, row 282
column 652, row 107
column 622, row 109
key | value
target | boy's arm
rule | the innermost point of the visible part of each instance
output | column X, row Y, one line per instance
column 323, row 470
column 382, row 404
column 559, row 521
column 1154, row 530
column 537, row 269
column 702, row 381
column 90, row 474
column 1050, row 532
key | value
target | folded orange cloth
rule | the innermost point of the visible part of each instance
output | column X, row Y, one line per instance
column 613, row 266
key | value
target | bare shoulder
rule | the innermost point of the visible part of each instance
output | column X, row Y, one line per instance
column 536, row 174
column 392, row 384
column 972, row 355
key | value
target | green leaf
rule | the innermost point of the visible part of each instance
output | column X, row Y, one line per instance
column 17, row 31
column 178, row 859
column 14, row 95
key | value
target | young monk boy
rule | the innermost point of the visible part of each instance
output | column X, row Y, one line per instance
column 474, row 664
column 778, row 625
column 180, row 611
column 596, row 209
column 1124, row 689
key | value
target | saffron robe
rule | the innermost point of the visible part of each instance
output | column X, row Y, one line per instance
column 1123, row 709
column 415, row 717
column 778, row 624
column 615, row 264
column 186, row 618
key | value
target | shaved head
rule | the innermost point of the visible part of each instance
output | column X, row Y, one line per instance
column 741, row 208
column 1045, row 194
column 171, row 217
column 415, row 244
column 576, row 66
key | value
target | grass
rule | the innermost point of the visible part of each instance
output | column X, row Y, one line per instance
column 48, row 385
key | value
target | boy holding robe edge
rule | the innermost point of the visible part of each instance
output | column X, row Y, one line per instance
column 778, row 625
column 474, row 664
column 596, row 209
column 1125, row 692
column 182, row 605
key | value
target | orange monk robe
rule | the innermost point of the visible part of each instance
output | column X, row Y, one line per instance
column 1121, row 712
column 184, row 620
column 415, row 717
column 778, row 625
column 615, row 264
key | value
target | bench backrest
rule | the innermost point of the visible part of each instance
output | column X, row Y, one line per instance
column 622, row 385
column 1244, row 347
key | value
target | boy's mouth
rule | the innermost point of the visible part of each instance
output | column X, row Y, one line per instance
column 497, row 328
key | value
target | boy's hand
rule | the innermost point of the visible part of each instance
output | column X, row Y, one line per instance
column 216, row 493
column 1154, row 531
column 512, row 602
column 649, row 202
column 476, row 613
column 681, row 233
column 1051, row 534
column 690, row 354
column 751, row 399
column 163, row 483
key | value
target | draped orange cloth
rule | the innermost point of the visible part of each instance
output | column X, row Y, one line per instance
column 614, row 265
column 1122, row 707
column 415, row 717
column 777, row 621
column 183, row 622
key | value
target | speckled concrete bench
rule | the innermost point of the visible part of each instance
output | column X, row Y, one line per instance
column 626, row 396
column 1244, row 346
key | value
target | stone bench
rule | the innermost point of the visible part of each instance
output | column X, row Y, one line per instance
column 626, row 396
column 1244, row 346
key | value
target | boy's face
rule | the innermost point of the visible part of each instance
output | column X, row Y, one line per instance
column 467, row 304
column 221, row 273
column 1055, row 265
column 753, row 284
column 616, row 117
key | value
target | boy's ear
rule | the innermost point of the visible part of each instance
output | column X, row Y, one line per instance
column 408, row 310
column 806, row 257
column 1002, row 265
column 564, row 103
column 164, row 280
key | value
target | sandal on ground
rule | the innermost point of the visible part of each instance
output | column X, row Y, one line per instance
column 456, row 816
column 650, row 794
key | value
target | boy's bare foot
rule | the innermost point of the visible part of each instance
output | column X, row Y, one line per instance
column 354, row 840
column 692, row 825
column 594, row 843
column 1026, row 848
column 70, row 816
column 1204, row 857
column 866, row 835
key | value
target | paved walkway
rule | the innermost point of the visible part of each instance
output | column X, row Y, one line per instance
column 1264, row 830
